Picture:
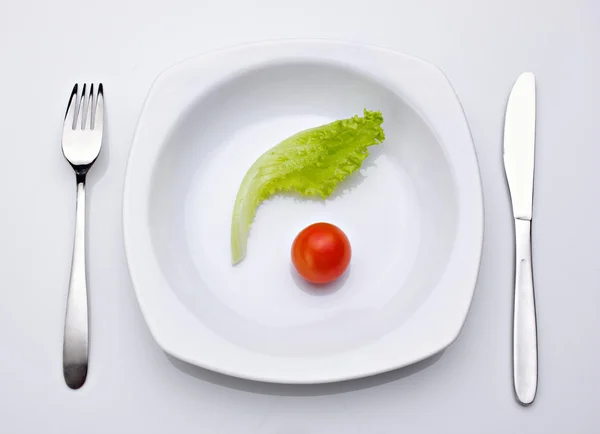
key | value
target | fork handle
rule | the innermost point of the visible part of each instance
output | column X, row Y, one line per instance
column 75, row 343
column 525, row 357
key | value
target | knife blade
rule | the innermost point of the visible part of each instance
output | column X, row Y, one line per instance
column 519, row 156
column 519, row 144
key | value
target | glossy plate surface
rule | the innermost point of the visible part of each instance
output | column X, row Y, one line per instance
column 413, row 215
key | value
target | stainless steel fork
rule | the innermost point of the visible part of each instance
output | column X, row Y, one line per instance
column 81, row 143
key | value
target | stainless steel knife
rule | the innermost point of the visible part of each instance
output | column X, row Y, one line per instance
column 519, row 150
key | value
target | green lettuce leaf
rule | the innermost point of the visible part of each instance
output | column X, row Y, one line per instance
column 312, row 163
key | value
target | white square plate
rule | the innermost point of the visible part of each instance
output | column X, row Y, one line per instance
column 413, row 214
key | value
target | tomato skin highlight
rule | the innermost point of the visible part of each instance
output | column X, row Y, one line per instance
column 321, row 253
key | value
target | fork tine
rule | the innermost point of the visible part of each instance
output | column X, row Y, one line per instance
column 99, row 117
column 71, row 108
column 87, row 121
column 81, row 112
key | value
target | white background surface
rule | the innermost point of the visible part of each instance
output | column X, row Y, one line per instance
column 132, row 386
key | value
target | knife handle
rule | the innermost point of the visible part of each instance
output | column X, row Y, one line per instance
column 525, row 360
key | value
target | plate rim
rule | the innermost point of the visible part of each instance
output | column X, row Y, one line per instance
column 172, row 349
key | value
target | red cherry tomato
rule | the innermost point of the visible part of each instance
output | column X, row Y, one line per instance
column 321, row 253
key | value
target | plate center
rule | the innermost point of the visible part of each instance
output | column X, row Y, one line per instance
column 399, row 213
